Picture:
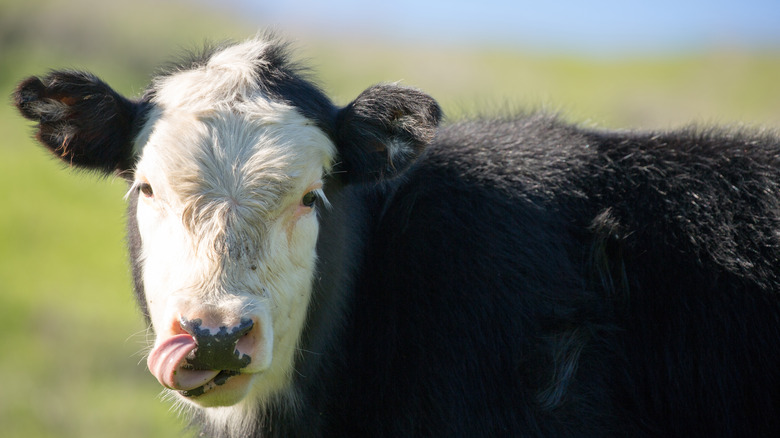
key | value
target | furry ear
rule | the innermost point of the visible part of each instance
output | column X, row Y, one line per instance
column 81, row 119
column 383, row 131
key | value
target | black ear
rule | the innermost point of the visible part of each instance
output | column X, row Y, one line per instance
column 81, row 119
column 383, row 131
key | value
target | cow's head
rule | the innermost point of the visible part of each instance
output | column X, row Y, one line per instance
column 228, row 158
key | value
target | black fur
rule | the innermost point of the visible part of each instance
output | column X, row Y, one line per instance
column 382, row 131
column 134, row 249
column 529, row 278
column 521, row 276
column 81, row 119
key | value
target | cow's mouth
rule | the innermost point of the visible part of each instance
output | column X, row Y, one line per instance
column 218, row 380
column 211, row 366
column 170, row 363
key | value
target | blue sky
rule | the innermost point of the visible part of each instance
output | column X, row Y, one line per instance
column 608, row 26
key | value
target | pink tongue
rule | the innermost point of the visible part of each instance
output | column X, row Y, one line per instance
column 165, row 363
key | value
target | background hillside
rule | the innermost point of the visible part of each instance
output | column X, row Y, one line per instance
column 72, row 345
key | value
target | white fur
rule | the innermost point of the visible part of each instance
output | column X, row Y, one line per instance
column 225, row 232
column 228, row 78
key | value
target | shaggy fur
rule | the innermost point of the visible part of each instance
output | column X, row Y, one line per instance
column 514, row 276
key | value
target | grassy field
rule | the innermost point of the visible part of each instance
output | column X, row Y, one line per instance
column 71, row 348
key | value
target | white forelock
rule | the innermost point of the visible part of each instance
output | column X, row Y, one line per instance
column 228, row 78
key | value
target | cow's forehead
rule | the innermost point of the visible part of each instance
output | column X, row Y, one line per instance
column 233, row 155
column 224, row 124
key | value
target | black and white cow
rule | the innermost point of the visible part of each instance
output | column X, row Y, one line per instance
column 312, row 271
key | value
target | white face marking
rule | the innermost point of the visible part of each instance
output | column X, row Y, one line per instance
column 224, row 232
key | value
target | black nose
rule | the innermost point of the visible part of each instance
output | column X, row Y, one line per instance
column 217, row 351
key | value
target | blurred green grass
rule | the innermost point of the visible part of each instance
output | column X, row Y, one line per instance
column 71, row 351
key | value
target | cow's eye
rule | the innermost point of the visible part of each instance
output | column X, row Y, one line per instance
column 146, row 190
column 309, row 199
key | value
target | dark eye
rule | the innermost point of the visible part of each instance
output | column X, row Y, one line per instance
column 146, row 189
column 309, row 199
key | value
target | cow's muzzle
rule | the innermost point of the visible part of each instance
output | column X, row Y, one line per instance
column 217, row 351
column 200, row 358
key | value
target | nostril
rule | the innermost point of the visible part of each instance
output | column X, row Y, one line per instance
column 217, row 349
column 244, row 327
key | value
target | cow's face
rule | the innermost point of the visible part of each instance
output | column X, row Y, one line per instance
column 228, row 183
column 229, row 158
column 226, row 215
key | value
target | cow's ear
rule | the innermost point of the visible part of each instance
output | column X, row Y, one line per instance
column 81, row 119
column 383, row 131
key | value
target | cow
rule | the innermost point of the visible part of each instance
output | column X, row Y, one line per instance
column 312, row 270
